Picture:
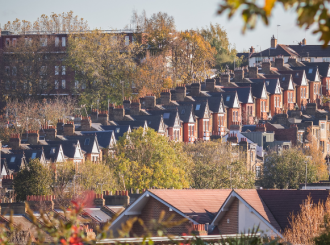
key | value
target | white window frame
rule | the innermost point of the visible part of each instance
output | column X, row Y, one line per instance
column 43, row 41
column 126, row 40
column 63, row 70
column 56, row 84
column 63, row 41
column 57, row 41
column 57, row 70
column 63, row 84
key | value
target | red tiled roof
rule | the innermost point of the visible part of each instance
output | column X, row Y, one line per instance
column 201, row 204
column 254, row 200
column 282, row 203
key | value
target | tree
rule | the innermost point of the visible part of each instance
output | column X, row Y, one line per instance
column 224, row 54
column 287, row 170
column 308, row 13
column 152, row 76
column 217, row 166
column 34, row 179
column 308, row 224
column 147, row 159
column 104, row 63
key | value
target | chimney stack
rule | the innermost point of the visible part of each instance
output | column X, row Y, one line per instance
column 118, row 113
column 103, row 118
column 225, row 78
column 252, row 50
column 273, row 42
column 86, row 124
column 32, row 137
column 68, row 129
column 59, row 126
column 15, row 141
column 239, row 74
column 165, row 97
column 210, row 85
column 260, row 127
column 150, row 101
column 253, row 72
column 135, row 107
column 266, row 65
column 279, row 62
column 180, row 92
column 127, row 103
column 94, row 115
column 195, row 89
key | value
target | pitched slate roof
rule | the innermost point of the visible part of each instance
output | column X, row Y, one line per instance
column 297, row 75
column 184, row 111
column 279, row 50
column 118, row 130
column 153, row 122
column 132, row 124
column 324, row 67
column 270, row 84
column 282, row 203
column 31, row 154
column 68, row 146
column 87, row 141
column 257, row 89
column 310, row 71
column 284, row 80
column 50, row 151
column 198, row 106
column 169, row 116
column 14, row 161
column 214, row 102
column 312, row 50
column 200, row 204
column 103, row 137
column 242, row 92
column 228, row 97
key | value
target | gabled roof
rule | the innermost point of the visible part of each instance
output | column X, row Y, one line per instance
column 310, row 50
column 230, row 98
column 279, row 50
column 105, row 139
column 169, row 116
column 284, row 202
column 312, row 72
column 31, row 154
column 244, row 93
column 324, row 67
column 154, row 122
column 119, row 130
column 216, row 104
column 51, row 152
column 286, row 81
column 186, row 112
column 70, row 147
column 256, row 205
column 133, row 124
column 298, row 76
column 271, row 84
column 258, row 89
column 14, row 161
column 88, row 142
column 201, row 107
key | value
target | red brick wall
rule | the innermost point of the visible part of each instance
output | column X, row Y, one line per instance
column 232, row 214
column 151, row 211
column 284, row 134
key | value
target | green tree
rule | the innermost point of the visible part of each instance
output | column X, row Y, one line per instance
column 103, row 64
column 218, row 165
column 225, row 54
column 146, row 159
column 287, row 170
column 308, row 13
column 34, row 179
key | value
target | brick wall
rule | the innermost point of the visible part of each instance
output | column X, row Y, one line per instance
column 231, row 215
column 151, row 211
column 284, row 134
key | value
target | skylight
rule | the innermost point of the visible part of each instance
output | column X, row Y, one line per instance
column 283, row 78
column 34, row 154
column 117, row 130
column 12, row 159
column 98, row 218
column 166, row 115
column 228, row 98
column 198, row 106
column 310, row 70
column 86, row 141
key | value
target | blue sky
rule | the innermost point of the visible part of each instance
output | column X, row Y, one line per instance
column 188, row 14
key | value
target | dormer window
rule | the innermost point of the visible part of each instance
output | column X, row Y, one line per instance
column 228, row 98
column 198, row 106
column 12, row 159
column 166, row 115
column 34, row 155
column 310, row 70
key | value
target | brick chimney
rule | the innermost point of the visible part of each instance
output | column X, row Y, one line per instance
column 50, row 132
column 239, row 74
column 260, row 127
column 118, row 113
column 165, row 97
column 59, row 126
column 232, row 138
column 253, row 72
column 195, row 89
column 199, row 230
column 77, row 119
column 225, row 78
column 15, row 141
column 68, row 129
column 127, row 103
column 94, row 115
column 273, row 42
column 311, row 108
column 33, row 137
column 86, row 124
column 292, row 60
column 252, row 50
column 150, row 101
column 111, row 106
column 304, row 41
column 121, row 198
column 180, row 92
column 266, row 65
column 103, row 118
column 99, row 200
column 210, row 85
column 37, row 203
column 279, row 63
column 243, row 144
column 135, row 107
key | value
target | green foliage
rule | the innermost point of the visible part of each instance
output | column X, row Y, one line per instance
column 34, row 179
column 308, row 13
column 324, row 237
column 146, row 159
column 218, row 165
column 287, row 170
column 218, row 39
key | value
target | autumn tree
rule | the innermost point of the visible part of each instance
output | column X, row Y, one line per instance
column 287, row 170
column 103, row 64
column 308, row 13
column 225, row 53
column 146, row 159
column 34, row 179
column 218, row 165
